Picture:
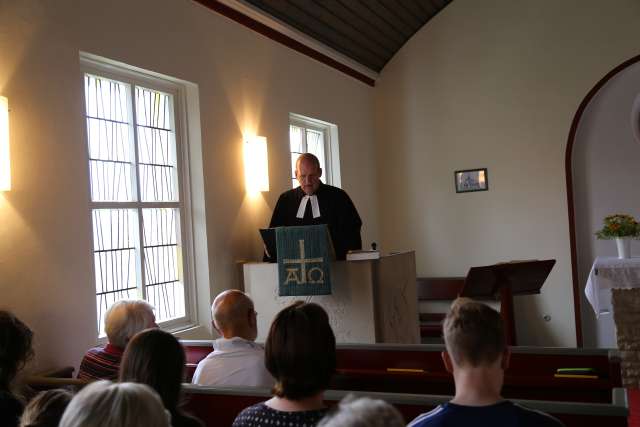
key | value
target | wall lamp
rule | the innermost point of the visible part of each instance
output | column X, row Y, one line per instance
column 5, row 161
column 256, row 164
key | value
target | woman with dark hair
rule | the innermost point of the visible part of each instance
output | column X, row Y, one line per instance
column 300, row 353
column 15, row 350
column 156, row 358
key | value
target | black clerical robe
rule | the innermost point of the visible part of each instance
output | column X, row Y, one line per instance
column 336, row 210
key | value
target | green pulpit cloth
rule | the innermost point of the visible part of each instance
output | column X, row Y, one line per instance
column 304, row 260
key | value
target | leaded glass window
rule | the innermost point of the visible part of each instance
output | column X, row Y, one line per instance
column 136, row 205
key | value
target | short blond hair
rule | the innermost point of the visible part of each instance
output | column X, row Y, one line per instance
column 125, row 318
column 473, row 333
column 107, row 404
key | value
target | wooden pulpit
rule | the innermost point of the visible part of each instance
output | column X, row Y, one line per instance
column 503, row 281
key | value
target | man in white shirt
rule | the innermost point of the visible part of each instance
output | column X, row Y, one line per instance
column 236, row 359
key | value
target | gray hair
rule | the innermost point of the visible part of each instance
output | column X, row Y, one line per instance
column 362, row 412
column 107, row 404
column 125, row 318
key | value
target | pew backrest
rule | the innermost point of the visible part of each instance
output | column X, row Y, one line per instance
column 218, row 406
column 418, row 368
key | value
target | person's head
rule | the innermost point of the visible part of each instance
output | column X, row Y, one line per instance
column 362, row 412
column 15, row 347
column 155, row 358
column 474, row 336
column 125, row 318
column 234, row 315
column 308, row 173
column 300, row 351
column 107, row 404
column 46, row 409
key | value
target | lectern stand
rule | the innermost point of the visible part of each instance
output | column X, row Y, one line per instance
column 507, row 280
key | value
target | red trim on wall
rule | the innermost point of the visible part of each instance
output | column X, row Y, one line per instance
column 276, row 36
column 569, row 177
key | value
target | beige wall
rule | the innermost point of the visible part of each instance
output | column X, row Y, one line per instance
column 494, row 83
column 246, row 82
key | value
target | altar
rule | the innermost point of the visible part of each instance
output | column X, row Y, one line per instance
column 613, row 287
column 606, row 274
column 372, row 301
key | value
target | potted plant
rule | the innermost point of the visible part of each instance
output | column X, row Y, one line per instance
column 622, row 228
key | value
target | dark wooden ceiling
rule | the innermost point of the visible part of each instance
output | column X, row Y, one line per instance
column 368, row 31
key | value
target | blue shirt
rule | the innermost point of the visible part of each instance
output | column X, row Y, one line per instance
column 503, row 414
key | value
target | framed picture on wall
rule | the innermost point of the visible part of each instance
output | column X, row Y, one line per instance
column 471, row 180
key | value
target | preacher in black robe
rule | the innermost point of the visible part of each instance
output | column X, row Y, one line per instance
column 336, row 210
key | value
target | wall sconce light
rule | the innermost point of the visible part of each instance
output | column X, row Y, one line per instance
column 5, row 161
column 256, row 165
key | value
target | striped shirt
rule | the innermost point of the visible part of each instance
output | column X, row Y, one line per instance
column 101, row 363
column 504, row 414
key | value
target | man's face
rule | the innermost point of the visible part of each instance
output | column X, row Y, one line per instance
column 308, row 176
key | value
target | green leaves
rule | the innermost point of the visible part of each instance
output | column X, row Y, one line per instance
column 619, row 225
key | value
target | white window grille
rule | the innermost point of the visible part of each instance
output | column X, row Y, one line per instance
column 137, row 200
column 307, row 135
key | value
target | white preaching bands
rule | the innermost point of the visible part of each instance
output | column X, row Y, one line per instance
column 315, row 207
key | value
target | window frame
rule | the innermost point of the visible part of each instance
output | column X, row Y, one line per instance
column 331, row 172
column 133, row 77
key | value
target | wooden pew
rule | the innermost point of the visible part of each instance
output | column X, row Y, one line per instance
column 218, row 406
column 419, row 369
column 195, row 351
column 530, row 375
column 436, row 289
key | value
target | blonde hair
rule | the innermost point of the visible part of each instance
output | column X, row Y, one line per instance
column 125, row 318
column 107, row 404
column 473, row 333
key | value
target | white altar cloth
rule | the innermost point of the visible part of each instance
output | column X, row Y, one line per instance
column 608, row 273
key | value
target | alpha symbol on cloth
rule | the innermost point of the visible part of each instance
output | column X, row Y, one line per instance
column 299, row 274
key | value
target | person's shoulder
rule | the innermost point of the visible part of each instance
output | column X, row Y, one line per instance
column 254, row 409
column 433, row 418
column 331, row 189
column 249, row 414
column 532, row 417
column 289, row 193
column 335, row 193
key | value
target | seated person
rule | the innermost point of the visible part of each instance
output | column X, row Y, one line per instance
column 46, row 409
column 105, row 404
column 477, row 356
column 236, row 359
column 156, row 358
column 362, row 412
column 122, row 321
column 15, row 350
column 300, row 353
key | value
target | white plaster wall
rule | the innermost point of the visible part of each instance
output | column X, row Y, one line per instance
column 246, row 82
column 606, row 173
column 495, row 84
